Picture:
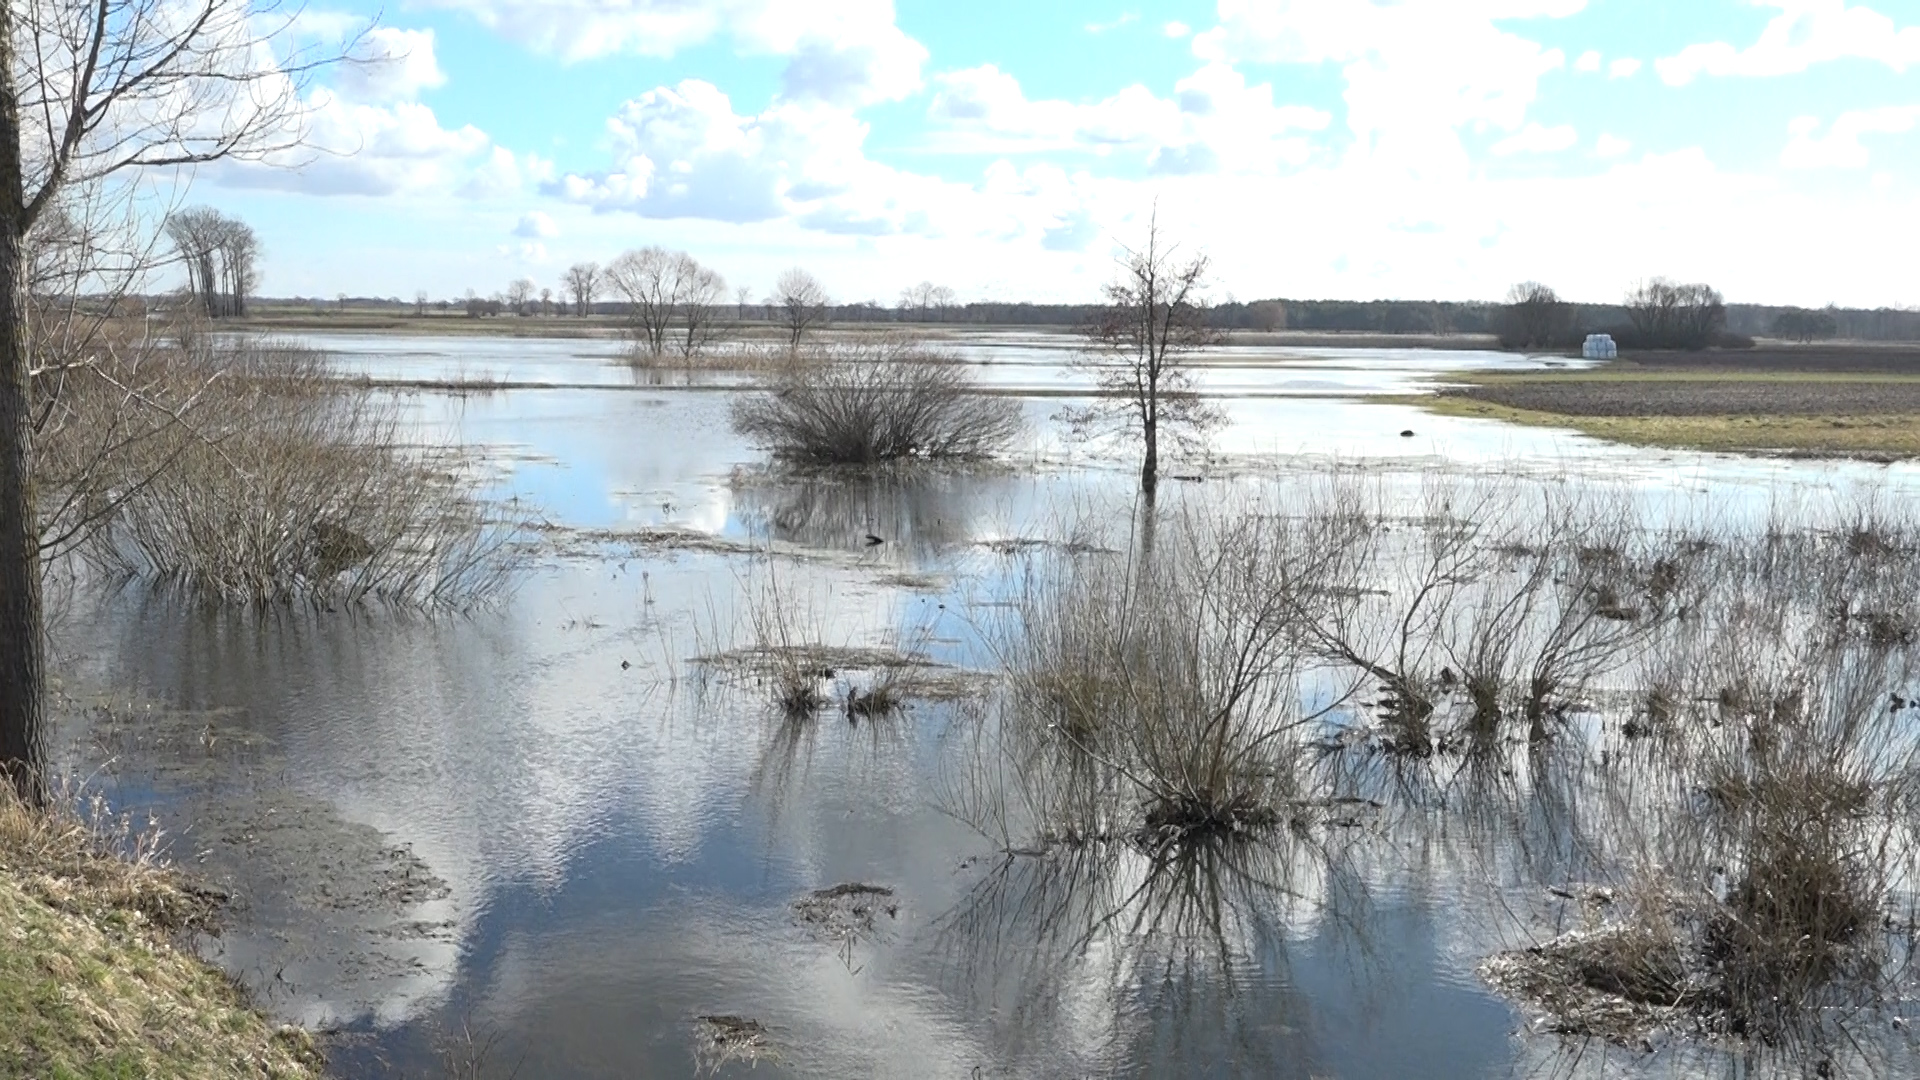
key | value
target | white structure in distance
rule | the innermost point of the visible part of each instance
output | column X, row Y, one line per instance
column 1600, row 347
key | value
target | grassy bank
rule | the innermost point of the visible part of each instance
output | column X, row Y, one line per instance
column 93, row 981
column 1826, row 402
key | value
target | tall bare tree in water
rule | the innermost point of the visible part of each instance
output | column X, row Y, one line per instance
column 1138, row 347
column 94, row 94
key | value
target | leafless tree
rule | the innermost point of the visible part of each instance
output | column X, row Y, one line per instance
column 92, row 94
column 1138, row 346
column 220, row 254
column 420, row 303
column 702, row 292
column 1671, row 315
column 742, row 300
column 672, row 301
column 582, row 282
column 520, row 296
column 802, row 301
column 926, row 298
column 1535, row 317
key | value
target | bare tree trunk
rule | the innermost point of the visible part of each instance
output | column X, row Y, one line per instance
column 1150, row 468
column 22, row 660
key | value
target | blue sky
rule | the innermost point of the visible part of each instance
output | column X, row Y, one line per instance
column 1314, row 148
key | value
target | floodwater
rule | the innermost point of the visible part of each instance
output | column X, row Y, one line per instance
column 542, row 839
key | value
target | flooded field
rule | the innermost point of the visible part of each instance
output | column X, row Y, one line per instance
column 576, row 834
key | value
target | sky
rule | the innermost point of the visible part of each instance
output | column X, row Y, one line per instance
column 1350, row 149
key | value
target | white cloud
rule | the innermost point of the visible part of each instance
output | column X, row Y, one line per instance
column 1624, row 68
column 1417, row 70
column 1589, row 61
column 1840, row 147
column 1611, row 146
column 1113, row 24
column 1176, row 29
column 537, row 225
column 1213, row 120
column 849, row 52
column 365, row 132
column 1536, row 139
column 390, row 64
column 1806, row 32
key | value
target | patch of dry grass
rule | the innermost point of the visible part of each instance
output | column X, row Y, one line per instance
column 92, row 984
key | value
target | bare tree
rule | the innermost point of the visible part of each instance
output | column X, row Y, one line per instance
column 1671, row 315
column 420, row 303
column 582, row 282
column 520, row 296
column 1138, row 346
column 91, row 94
column 802, row 301
column 546, row 301
column 742, row 300
column 645, row 278
column 1535, row 317
column 924, row 299
column 702, row 291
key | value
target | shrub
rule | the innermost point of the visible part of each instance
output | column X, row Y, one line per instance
column 872, row 403
column 241, row 469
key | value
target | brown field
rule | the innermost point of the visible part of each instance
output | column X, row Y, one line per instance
column 1842, row 400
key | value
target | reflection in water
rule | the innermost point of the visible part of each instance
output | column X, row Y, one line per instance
column 561, row 839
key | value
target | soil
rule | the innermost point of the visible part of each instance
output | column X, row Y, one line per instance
column 1702, row 397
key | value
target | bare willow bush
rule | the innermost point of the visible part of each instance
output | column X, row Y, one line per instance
column 1167, row 689
column 239, row 469
column 868, row 403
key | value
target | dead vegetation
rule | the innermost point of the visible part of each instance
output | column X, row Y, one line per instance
column 1707, row 716
column 239, row 470
column 91, row 980
column 867, row 403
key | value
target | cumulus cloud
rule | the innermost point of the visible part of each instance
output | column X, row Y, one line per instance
column 1609, row 146
column 1589, row 61
column 841, row 51
column 1805, row 33
column 1624, row 68
column 1839, row 147
column 391, row 64
column 1176, row 29
column 1416, row 70
column 365, row 132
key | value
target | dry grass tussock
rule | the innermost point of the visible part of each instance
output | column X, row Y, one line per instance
column 91, row 983
column 865, row 403
column 238, row 469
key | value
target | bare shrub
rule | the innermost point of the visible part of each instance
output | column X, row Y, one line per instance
column 1165, row 691
column 241, row 470
column 861, row 404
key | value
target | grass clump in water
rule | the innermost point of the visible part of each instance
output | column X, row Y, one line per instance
column 92, row 983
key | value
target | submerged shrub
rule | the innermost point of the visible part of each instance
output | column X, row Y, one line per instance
column 863, row 404
column 240, row 469
column 1161, row 698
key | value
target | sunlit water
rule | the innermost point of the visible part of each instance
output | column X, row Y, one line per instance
column 615, row 841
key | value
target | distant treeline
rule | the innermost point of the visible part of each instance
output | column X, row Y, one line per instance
column 1426, row 317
